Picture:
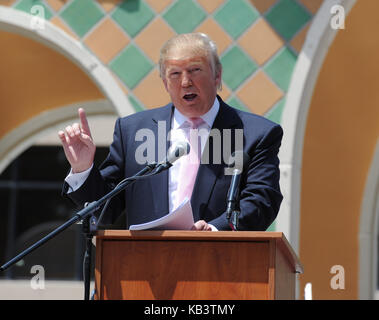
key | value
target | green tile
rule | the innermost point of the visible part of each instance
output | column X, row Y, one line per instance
column 275, row 113
column 27, row 5
column 131, row 66
column 280, row 68
column 132, row 16
column 236, row 103
column 237, row 66
column 272, row 227
column 82, row 15
column 236, row 16
column 184, row 16
column 287, row 17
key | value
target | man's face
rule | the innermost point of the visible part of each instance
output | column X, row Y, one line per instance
column 190, row 82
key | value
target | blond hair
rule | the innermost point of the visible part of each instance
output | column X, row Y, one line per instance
column 198, row 44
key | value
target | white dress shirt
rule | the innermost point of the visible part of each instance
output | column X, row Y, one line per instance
column 178, row 134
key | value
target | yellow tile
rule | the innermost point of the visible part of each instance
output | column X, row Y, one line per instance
column 312, row 5
column 262, row 5
column 225, row 92
column 210, row 5
column 259, row 94
column 217, row 34
column 298, row 41
column 62, row 25
column 6, row 3
column 108, row 5
column 261, row 41
column 107, row 40
column 151, row 91
column 57, row 4
column 158, row 5
column 152, row 38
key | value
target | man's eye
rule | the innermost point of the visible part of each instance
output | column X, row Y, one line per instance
column 174, row 74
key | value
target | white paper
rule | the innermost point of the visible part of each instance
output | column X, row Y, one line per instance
column 179, row 219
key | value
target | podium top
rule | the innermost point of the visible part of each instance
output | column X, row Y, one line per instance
column 184, row 235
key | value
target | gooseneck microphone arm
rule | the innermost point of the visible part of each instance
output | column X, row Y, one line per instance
column 232, row 207
column 233, row 193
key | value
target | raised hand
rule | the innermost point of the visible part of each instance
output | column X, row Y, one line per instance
column 78, row 145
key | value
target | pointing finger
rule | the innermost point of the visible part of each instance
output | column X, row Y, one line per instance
column 84, row 122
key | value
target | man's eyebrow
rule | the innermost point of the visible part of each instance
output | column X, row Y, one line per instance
column 173, row 68
column 194, row 65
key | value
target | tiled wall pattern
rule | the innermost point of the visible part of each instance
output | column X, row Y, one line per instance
column 258, row 41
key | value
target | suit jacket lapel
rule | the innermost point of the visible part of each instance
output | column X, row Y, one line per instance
column 209, row 171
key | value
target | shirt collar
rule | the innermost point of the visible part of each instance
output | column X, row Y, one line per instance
column 209, row 117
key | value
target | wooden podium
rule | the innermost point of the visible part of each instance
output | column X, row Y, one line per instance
column 194, row 265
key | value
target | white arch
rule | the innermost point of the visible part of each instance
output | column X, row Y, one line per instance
column 368, row 232
column 24, row 136
column 19, row 22
column 294, row 118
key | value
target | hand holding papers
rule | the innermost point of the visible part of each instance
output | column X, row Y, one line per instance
column 179, row 219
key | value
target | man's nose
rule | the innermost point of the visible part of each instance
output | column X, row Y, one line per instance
column 186, row 80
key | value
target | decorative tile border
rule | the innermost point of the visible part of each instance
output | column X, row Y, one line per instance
column 258, row 42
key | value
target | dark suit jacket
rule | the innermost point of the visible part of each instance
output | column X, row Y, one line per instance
column 147, row 199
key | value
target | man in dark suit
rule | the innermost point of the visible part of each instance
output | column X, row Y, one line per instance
column 191, row 72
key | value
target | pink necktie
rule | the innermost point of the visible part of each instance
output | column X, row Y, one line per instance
column 190, row 163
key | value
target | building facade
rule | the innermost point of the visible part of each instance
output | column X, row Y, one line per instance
column 309, row 65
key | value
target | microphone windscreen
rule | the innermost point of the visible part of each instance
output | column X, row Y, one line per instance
column 178, row 150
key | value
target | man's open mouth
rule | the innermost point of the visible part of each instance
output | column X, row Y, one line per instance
column 189, row 96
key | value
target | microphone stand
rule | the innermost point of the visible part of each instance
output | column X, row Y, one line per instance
column 88, row 220
column 88, row 235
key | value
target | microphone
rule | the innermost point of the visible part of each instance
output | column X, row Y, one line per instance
column 236, row 168
column 174, row 153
